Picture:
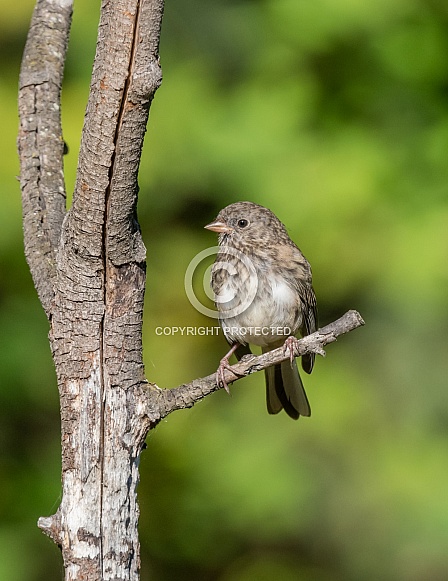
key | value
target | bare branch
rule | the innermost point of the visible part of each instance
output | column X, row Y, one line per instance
column 40, row 142
column 125, row 76
column 124, row 242
column 187, row 395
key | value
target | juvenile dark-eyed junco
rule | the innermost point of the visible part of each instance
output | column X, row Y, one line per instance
column 264, row 295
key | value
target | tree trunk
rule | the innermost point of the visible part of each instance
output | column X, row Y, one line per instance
column 88, row 266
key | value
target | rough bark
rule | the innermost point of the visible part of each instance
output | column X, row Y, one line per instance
column 40, row 142
column 89, row 270
column 88, row 266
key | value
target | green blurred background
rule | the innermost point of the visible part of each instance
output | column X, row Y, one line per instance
column 333, row 113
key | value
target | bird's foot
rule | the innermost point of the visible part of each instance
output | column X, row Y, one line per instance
column 220, row 374
column 224, row 366
column 291, row 346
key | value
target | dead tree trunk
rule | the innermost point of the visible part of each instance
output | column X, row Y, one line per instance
column 88, row 266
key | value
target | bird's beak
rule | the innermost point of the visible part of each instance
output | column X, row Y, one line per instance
column 218, row 227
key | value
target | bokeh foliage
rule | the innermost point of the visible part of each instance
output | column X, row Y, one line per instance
column 333, row 113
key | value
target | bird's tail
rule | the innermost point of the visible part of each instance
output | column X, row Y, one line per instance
column 284, row 390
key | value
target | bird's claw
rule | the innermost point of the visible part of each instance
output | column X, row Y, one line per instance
column 223, row 366
column 291, row 346
column 220, row 379
column 220, row 373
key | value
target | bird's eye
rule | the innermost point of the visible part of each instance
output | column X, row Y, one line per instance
column 243, row 223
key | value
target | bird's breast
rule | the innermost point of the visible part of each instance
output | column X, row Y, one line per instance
column 265, row 315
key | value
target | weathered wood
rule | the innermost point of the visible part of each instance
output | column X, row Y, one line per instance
column 40, row 142
column 89, row 269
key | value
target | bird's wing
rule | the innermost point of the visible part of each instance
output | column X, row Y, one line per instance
column 302, row 283
column 309, row 319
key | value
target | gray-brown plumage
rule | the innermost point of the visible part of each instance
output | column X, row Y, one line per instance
column 264, row 294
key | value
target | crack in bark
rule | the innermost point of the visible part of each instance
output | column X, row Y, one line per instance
column 107, row 267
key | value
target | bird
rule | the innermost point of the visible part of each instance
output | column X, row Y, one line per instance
column 262, row 285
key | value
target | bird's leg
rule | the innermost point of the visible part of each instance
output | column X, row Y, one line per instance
column 291, row 346
column 223, row 365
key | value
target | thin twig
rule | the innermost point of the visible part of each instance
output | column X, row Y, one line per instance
column 187, row 395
